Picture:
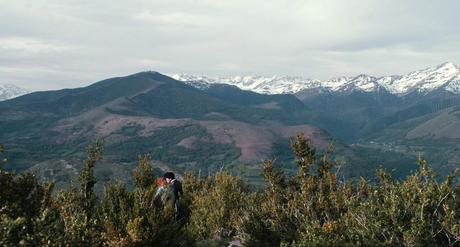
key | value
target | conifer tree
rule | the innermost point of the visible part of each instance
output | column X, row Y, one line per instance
column 304, row 153
column 78, row 206
column 87, row 178
column 143, row 175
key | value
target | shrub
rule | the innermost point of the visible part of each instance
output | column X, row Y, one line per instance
column 311, row 208
column 216, row 206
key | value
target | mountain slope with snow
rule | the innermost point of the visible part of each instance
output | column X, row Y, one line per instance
column 445, row 76
column 9, row 91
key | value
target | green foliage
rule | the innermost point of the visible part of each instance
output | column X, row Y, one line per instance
column 310, row 208
column 78, row 208
column 265, row 222
column 314, row 209
column 28, row 213
column 305, row 155
column 216, row 205
column 410, row 212
column 136, row 218
column 116, row 211
column 87, row 178
column 143, row 174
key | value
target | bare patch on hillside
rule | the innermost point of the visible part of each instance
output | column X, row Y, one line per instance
column 188, row 142
column 256, row 141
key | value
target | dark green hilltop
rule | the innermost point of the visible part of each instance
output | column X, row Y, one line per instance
column 181, row 127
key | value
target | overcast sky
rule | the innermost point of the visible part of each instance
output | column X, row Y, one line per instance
column 51, row 44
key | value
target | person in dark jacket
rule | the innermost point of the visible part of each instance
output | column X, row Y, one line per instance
column 175, row 190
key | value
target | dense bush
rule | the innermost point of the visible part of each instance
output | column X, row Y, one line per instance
column 310, row 208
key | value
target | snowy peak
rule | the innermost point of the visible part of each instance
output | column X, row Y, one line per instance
column 260, row 84
column 425, row 80
column 362, row 82
column 9, row 91
column 454, row 85
column 445, row 76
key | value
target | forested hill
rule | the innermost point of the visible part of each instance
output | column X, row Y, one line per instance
column 181, row 127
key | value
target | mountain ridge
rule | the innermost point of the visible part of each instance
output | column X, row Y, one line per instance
column 181, row 127
column 446, row 76
column 189, row 128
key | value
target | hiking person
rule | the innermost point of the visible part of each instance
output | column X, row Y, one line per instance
column 160, row 192
column 175, row 191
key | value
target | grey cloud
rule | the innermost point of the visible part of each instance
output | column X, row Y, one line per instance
column 53, row 44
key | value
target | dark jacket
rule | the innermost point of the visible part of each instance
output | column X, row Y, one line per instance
column 173, row 191
column 177, row 190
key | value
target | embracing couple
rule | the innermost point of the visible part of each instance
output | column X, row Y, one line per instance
column 169, row 191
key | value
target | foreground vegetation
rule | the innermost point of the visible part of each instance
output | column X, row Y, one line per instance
column 311, row 208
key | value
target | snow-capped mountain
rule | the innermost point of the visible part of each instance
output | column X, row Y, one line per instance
column 446, row 76
column 9, row 91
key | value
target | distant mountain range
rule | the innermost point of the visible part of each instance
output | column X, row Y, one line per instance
column 445, row 76
column 9, row 91
column 413, row 114
column 181, row 127
column 205, row 125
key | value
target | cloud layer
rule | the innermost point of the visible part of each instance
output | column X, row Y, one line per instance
column 50, row 44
